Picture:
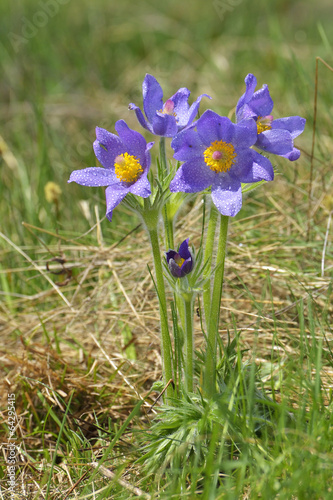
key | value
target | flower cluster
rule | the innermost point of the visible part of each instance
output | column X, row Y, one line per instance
column 214, row 155
column 215, row 152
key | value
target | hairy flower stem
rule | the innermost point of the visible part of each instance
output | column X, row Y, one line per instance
column 213, row 321
column 166, row 341
column 163, row 157
column 188, row 303
column 168, row 220
column 151, row 221
column 208, row 258
column 181, row 311
column 168, row 224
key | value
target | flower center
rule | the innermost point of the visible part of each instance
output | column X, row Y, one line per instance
column 220, row 156
column 264, row 123
column 127, row 168
column 179, row 260
column 168, row 108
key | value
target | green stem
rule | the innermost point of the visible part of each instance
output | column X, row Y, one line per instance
column 177, row 363
column 163, row 157
column 168, row 227
column 188, row 303
column 168, row 221
column 209, row 247
column 181, row 311
column 211, row 355
column 166, row 347
column 179, row 342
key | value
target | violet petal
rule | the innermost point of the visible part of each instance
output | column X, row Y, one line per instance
column 152, row 96
column 113, row 198
column 275, row 141
column 93, row 177
column 294, row 124
column 192, row 176
column 227, row 195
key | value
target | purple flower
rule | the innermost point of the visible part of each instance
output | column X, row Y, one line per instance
column 274, row 136
column 180, row 263
column 168, row 118
column 126, row 162
column 218, row 154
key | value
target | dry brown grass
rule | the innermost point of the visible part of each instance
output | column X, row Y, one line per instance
column 56, row 345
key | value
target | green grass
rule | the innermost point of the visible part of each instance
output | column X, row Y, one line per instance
column 88, row 349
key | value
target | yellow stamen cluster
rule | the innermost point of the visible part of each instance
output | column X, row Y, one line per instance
column 127, row 168
column 167, row 112
column 179, row 260
column 263, row 124
column 220, row 156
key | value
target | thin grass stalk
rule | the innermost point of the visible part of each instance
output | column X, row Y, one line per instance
column 188, row 305
column 209, row 247
column 178, row 355
column 213, row 321
column 62, row 426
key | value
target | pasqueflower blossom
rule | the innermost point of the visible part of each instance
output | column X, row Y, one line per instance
column 168, row 118
column 218, row 154
column 274, row 136
column 126, row 161
column 180, row 263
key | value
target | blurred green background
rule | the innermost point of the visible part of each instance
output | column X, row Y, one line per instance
column 67, row 66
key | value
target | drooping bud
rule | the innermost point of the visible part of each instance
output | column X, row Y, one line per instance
column 180, row 263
